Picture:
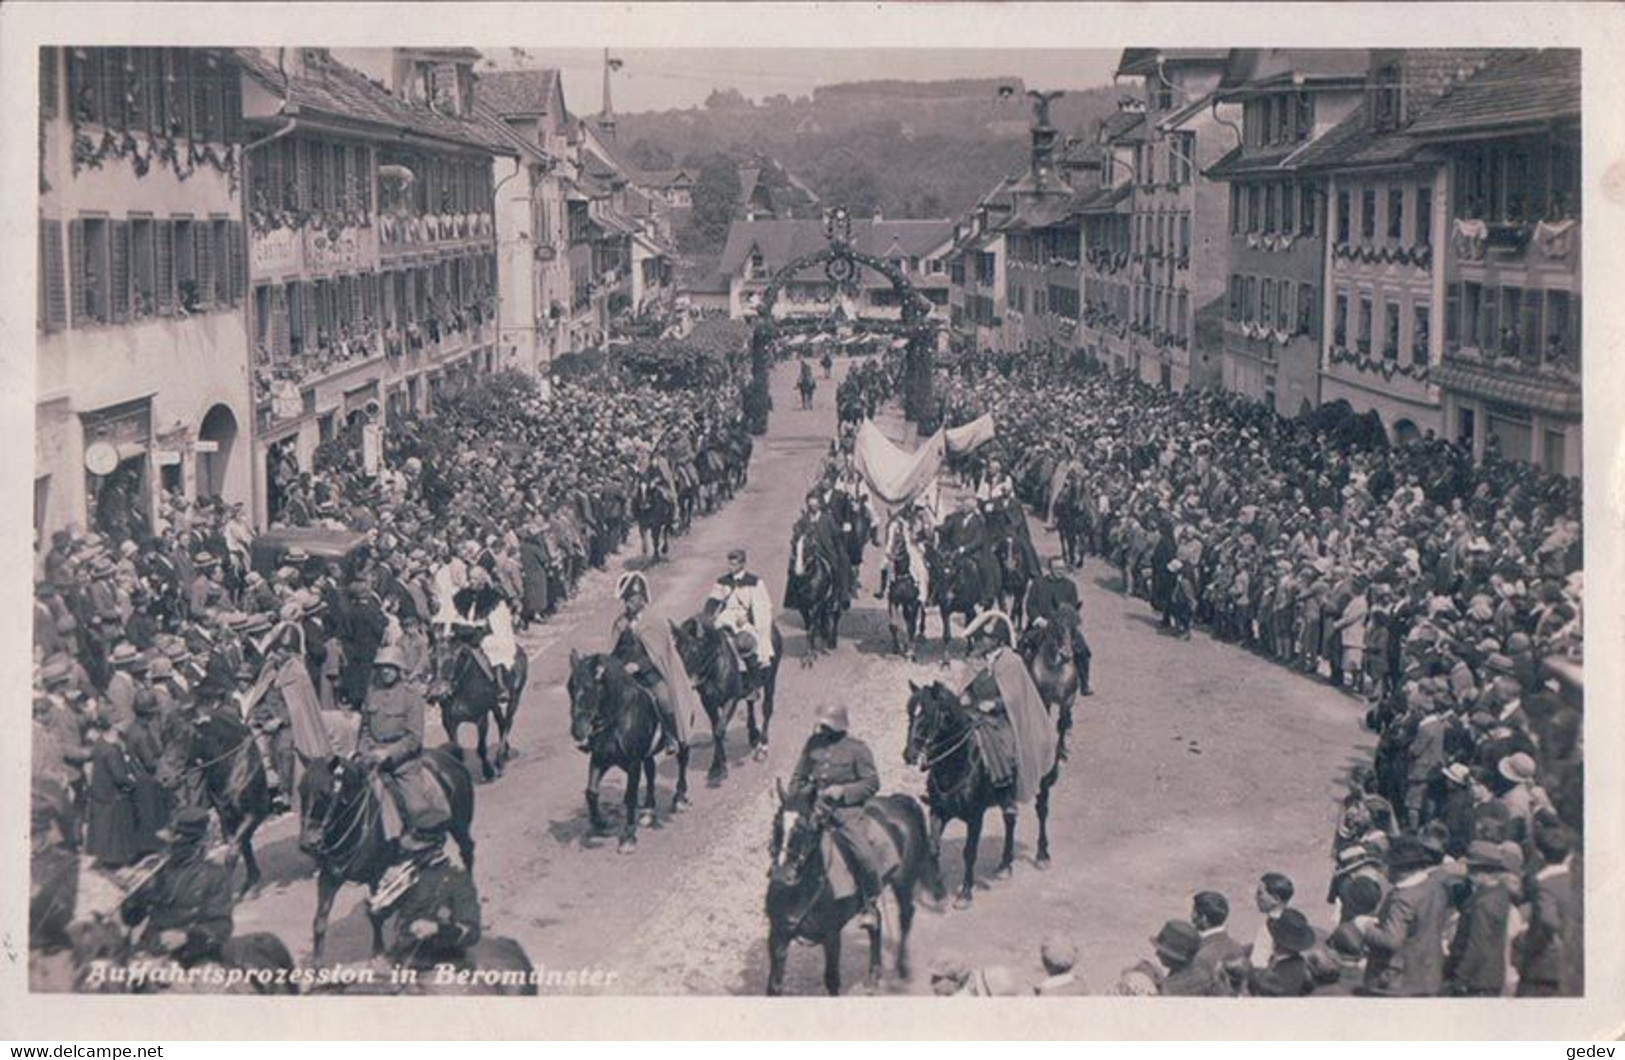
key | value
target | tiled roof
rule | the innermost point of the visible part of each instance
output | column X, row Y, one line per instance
column 1259, row 67
column 506, row 133
column 1143, row 60
column 1518, row 89
column 512, row 93
column 1119, row 123
column 1101, row 200
column 781, row 242
column 345, row 93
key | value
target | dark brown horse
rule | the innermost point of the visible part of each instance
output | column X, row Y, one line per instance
column 615, row 722
column 467, row 693
column 957, row 588
column 959, row 786
column 225, row 757
column 904, row 599
column 1047, row 650
column 343, row 829
column 714, row 664
column 655, row 510
column 800, row 904
column 811, row 589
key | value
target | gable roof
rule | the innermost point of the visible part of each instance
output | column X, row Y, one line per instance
column 1522, row 88
column 347, row 94
column 518, row 93
column 1144, row 60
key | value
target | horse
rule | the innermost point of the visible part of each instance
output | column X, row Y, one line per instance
column 1014, row 578
column 1072, row 522
column 903, row 597
column 713, row 662
column 812, row 590
column 1047, row 650
column 716, row 479
column 615, row 722
column 655, row 511
column 957, row 588
column 225, row 755
column 467, row 693
column 806, row 385
column 343, row 829
column 801, row 906
column 959, row 787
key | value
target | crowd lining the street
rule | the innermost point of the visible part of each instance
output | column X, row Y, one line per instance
column 1446, row 595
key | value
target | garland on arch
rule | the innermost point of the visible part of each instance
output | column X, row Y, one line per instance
column 183, row 159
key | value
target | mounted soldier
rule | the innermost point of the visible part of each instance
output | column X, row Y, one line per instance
column 1003, row 692
column 184, row 908
column 836, row 776
column 646, row 650
column 482, row 615
column 391, row 744
column 742, row 606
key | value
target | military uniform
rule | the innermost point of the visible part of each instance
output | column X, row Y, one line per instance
column 841, row 770
column 190, row 894
column 1054, row 598
column 392, row 735
column 444, row 894
column 634, row 655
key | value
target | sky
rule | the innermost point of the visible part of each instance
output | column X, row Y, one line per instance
column 666, row 78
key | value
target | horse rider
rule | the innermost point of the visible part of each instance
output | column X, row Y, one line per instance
column 995, row 485
column 826, row 537
column 432, row 906
column 1004, row 689
column 836, row 775
column 1053, row 599
column 482, row 611
column 646, row 650
column 391, row 745
column 744, row 608
column 905, row 534
column 184, row 908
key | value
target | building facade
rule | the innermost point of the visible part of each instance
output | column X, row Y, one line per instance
column 1291, row 101
column 1180, row 228
column 1509, row 379
column 372, row 247
column 1108, row 244
column 143, row 355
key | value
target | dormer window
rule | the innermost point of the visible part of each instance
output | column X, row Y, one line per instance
column 1386, row 111
column 758, row 266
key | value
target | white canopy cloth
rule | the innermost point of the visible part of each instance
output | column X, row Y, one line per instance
column 897, row 478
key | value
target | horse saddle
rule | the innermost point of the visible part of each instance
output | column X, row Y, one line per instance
column 866, row 838
column 996, row 741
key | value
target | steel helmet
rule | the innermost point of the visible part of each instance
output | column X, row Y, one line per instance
column 833, row 716
column 389, row 655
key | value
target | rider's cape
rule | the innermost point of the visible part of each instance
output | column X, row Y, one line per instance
column 1031, row 722
column 310, row 735
column 662, row 648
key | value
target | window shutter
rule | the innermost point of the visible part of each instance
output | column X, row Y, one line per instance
column 163, row 237
column 203, row 263
column 307, row 315
column 280, row 349
column 239, row 263
column 358, row 300
column 47, row 82
column 53, row 279
column 302, row 195
column 231, row 99
column 76, row 269
column 119, row 274
column 112, row 86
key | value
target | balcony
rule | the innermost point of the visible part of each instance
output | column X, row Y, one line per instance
column 405, row 235
column 1549, row 244
column 1547, row 384
column 320, row 245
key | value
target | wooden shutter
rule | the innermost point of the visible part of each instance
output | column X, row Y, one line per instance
column 239, row 263
column 119, row 273
column 163, row 238
column 231, row 102
column 302, row 194
column 53, row 279
column 111, row 70
column 76, row 272
column 203, row 263
column 47, row 82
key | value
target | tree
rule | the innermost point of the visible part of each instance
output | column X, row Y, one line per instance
column 715, row 197
column 647, row 154
column 726, row 99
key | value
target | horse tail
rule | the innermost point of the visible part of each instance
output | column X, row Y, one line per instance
column 918, row 857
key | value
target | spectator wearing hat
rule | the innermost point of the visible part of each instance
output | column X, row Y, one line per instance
column 205, row 593
column 123, row 684
column 1176, row 946
column 145, row 743
column 1273, row 897
column 184, row 910
column 1477, row 962
column 1209, row 912
column 1287, row 974
column 1521, row 796
column 1405, row 942
column 1551, row 962
column 1059, row 955
column 110, row 819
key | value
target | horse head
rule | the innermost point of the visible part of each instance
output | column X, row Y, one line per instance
column 328, row 791
column 929, row 709
column 586, row 686
column 795, row 838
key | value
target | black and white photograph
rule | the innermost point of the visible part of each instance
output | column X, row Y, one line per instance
column 1092, row 519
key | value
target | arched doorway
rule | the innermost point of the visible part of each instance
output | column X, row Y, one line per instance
column 218, row 435
column 1405, row 432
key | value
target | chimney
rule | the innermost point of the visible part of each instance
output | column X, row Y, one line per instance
column 879, row 215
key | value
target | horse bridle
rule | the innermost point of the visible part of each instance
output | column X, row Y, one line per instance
column 362, row 814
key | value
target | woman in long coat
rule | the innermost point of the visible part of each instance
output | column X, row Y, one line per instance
column 110, row 825
column 152, row 800
column 533, row 564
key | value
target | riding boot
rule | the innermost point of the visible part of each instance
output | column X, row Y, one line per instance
column 880, row 594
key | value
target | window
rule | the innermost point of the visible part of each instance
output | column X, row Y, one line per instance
column 1283, row 306
column 1452, row 317
column 1266, row 307
column 1307, row 202
column 1307, row 296
column 1255, row 211
column 1510, row 334
column 1250, row 308
column 1235, row 209
column 1289, row 208
column 53, row 285
column 1472, row 309
column 1343, row 205
column 1424, row 216
column 1385, row 97
column 1271, row 205
column 1185, row 237
column 1237, row 292
column 1396, row 215
column 144, row 267
column 1562, row 325
column 1368, row 214
column 187, row 287
column 1390, row 330
column 1306, row 115
column 1363, row 338
column 1340, row 321
column 47, row 82
column 89, row 257
column 220, row 255
column 1419, row 334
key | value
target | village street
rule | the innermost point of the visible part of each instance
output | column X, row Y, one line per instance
column 1193, row 766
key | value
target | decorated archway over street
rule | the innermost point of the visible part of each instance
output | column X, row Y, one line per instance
column 843, row 263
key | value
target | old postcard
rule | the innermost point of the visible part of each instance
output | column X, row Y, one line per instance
column 724, row 504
